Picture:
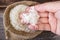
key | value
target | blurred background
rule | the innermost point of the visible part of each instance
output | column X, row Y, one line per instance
column 4, row 3
column 46, row 35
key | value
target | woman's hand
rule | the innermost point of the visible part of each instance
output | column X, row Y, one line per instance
column 53, row 10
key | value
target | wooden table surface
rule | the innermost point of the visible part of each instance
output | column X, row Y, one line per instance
column 43, row 36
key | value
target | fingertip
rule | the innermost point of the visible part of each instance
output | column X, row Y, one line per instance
column 27, row 9
column 30, row 27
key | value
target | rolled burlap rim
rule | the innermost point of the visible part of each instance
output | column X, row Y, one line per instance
column 8, row 27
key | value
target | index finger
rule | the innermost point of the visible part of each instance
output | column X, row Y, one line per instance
column 50, row 7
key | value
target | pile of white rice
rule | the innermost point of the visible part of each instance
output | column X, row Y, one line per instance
column 15, row 20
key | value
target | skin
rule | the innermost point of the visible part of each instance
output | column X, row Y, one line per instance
column 52, row 23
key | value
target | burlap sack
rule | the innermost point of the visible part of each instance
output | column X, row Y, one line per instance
column 10, row 32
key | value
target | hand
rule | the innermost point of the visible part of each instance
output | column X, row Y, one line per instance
column 53, row 9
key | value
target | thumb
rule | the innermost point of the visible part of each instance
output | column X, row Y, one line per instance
column 50, row 7
column 52, row 22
